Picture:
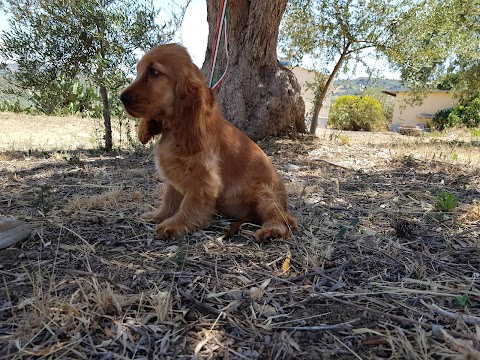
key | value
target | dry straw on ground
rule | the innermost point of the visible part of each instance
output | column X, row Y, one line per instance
column 375, row 271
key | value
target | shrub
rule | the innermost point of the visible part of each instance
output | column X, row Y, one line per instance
column 13, row 106
column 67, row 97
column 467, row 114
column 440, row 119
column 62, row 97
column 446, row 201
column 355, row 113
column 386, row 101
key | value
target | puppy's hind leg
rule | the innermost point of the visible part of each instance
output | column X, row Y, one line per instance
column 169, row 206
column 276, row 221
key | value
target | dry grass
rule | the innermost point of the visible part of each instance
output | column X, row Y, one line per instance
column 21, row 132
column 373, row 272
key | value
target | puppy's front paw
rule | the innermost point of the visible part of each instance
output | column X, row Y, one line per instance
column 171, row 229
column 270, row 232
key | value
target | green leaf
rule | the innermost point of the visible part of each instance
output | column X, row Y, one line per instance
column 343, row 230
column 463, row 300
column 446, row 201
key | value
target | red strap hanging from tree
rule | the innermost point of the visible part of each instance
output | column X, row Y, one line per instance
column 221, row 37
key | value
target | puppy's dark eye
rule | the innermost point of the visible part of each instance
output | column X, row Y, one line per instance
column 153, row 72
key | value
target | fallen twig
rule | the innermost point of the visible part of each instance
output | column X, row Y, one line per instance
column 333, row 164
column 318, row 327
column 468, row 319
column 213, row 311
column 398, row 318
column 99, row 276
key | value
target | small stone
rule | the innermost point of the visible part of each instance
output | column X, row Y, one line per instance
column 292, row 167
column 12, row 231
column 234, row 295
column 256, row 294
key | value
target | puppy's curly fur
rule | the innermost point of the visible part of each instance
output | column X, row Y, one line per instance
column 208, row 164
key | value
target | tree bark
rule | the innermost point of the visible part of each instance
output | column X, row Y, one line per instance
column 106, row 118
column 323, row 93
column 258, row 95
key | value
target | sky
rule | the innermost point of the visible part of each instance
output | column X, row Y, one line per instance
column 3, row 21
column 194, row 31
column 194, row 34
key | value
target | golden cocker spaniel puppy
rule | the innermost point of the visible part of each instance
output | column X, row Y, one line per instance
column 208, row 164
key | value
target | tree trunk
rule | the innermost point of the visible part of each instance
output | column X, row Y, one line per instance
column 323, row 93
column 258, row 95
column 106, row 118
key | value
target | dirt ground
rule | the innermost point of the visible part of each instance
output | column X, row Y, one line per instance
column 375, row 271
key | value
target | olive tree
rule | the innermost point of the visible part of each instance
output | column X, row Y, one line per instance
column 339, row 32
column 94, row 39
column 258, row 94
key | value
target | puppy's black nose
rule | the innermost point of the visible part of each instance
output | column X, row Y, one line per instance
column 125, row 98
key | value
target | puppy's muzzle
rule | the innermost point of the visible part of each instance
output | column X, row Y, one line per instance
column 126, row 98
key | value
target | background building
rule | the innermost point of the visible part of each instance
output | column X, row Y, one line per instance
column 306, row 79
column 408, row 114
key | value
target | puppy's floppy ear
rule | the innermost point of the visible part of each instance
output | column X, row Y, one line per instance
column 190, row 110
column 148, row 128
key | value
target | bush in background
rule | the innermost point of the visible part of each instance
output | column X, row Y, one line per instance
column 468, row 114
column 386, row 101
column 16, row 106
column 63, row 96
column 355, row 113
column 463, row 114
column 440, row 119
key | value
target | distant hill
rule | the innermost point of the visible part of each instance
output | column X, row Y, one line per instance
column 356, row 86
